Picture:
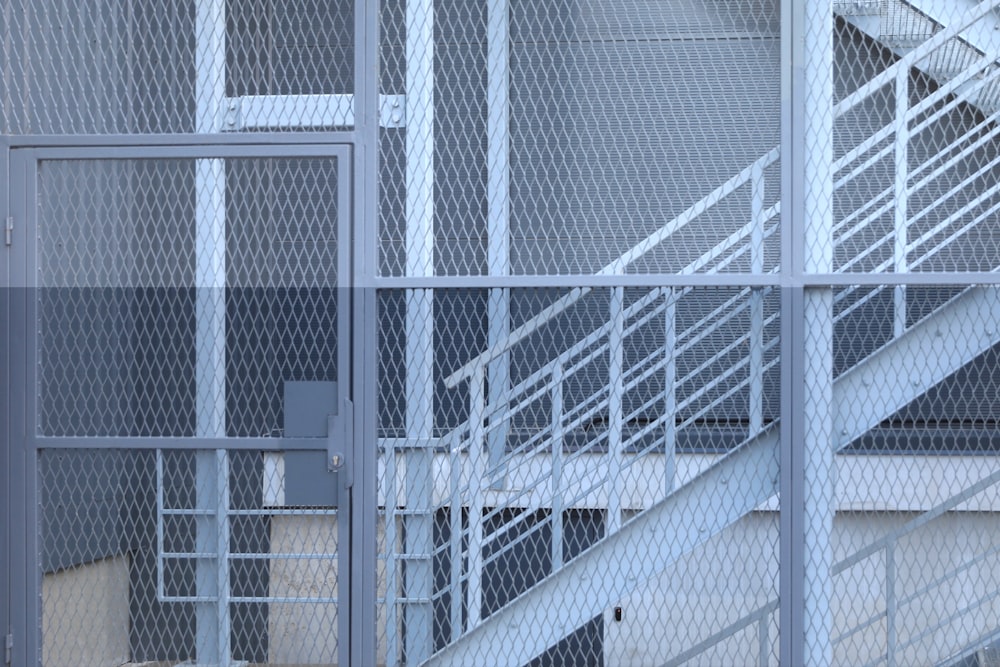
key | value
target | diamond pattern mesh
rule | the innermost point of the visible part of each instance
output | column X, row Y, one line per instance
column 552, row 138
column 915, row 166
column 122, row 67
column 611, row 400
column 121, row 265
column 120, row 562
column 567, row 475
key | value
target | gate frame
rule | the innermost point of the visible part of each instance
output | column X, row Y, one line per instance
column 22, row 444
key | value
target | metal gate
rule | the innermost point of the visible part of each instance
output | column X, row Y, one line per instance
column 185, row 430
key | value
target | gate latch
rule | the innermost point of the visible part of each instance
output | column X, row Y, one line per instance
column 340, row 441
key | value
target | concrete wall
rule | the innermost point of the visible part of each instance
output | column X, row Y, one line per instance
column 85, row 615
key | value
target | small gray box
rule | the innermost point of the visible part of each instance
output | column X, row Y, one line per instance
column 307, row 406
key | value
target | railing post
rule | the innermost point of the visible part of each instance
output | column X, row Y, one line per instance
column 756, row 390
column 763, row 639
column 391, row 559
column 616, row 359
column 455, row 543
column 477, row 483
column 890, row 605
column 901, row 158
column 670, row 390
column 557, row 464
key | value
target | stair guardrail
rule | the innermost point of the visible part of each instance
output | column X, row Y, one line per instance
column 470, row 472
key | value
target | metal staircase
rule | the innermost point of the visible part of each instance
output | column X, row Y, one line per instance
column 693, row 507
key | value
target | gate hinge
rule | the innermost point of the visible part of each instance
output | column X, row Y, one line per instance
column 8, row 650
column 8, row 231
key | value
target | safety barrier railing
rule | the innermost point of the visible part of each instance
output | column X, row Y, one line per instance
column 549, row 487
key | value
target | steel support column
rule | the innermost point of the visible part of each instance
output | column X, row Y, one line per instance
column 817, row 388
column 498, row 217
column 419, row 534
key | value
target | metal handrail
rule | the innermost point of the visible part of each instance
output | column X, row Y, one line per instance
column 485, row 418
column 618, row 266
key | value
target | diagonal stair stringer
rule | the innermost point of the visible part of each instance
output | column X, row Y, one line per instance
column 732, row 487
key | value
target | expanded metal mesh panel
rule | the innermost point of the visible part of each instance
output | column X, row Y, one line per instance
column 120, row 535
column 160, row 278
column 597, row 414
column 123, row 67
column 915, row 138
column 915, row 539
column 555, row 138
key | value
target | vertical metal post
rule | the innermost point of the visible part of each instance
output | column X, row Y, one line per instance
column 756, row 390
column 455, row 545
column 763, row 639
column 5, row 377
column 557, row 466
column 670, row 390
column 498, row 218
column 616, row 354
column 817, row 390
column 791, row 634
column 364, row 370
column 890, row 605
column 477, row 483
column 419, row 204
column 901, row 159
column 391, row 560
column 212, row 641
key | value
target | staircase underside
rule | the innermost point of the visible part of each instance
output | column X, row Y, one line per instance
column 737, row 484
column 878, row 17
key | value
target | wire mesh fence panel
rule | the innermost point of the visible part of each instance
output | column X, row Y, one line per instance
column 172, row 66
column 122, row 544
column 580, row 137
column 915, row 537
column 914, row 167
column 633, row 424
column 173, row 293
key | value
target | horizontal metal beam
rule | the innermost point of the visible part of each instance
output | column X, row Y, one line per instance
column 304, row 112
column 150, row 443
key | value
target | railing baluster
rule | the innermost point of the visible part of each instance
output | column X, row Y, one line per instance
column 557, row 464
column 391, row 551
column 900, row 188
column 670, row 390
column 455, row 543
column 616, row 354
column 477, row 482
column 756, row 394
column 764, row 638
column 890, row 604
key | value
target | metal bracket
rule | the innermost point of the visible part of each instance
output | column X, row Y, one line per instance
column 9, row 648
column 392, row 110
column 8, row 231
column 340, row 442
column 232, row 114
